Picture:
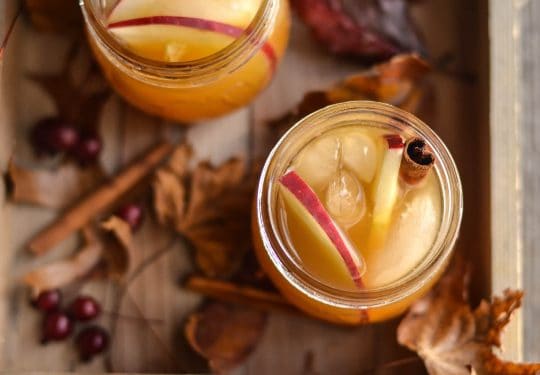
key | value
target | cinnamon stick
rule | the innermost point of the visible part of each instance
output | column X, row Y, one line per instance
column 245, row 295
column 416, row 162
column 100, row 200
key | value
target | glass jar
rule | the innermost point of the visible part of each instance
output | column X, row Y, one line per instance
column 286, row 271
column 196, row 89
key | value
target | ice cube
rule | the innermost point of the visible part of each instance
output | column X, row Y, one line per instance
column 317, row 162
column 345, row 198
column 410, row 237
column 174, row 51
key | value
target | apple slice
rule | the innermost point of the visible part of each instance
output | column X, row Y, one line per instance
column 410, row 236
column 301, row 199
column 170, row 43
column 386, row 190
column 180, row 30
column 234, row 12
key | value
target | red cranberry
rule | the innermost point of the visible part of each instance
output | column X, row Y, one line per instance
column 52, row 135
column 91, row 341
column 84, row 308
column 56, row 327
column 132, row 214
column 48, row 300
column 87, row 150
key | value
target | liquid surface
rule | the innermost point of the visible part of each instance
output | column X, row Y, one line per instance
column 344, row 168
column 180, row 30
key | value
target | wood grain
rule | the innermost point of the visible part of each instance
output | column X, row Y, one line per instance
column 8, row 10
column 506, row 176
column 149, row 332
column 529, row 97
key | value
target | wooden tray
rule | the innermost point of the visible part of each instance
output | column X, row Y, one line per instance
column 457, row 27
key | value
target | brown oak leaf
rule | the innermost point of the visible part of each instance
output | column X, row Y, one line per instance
column 225, row 334
column 209, row 206
column 63, row 272
column 400, row 82
column 53, row 188
column 452, row 339
column 371, row 30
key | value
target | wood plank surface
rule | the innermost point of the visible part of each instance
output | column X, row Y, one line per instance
column 8, row 11
column 529, row 78
column 150, row 330
column 506, row 176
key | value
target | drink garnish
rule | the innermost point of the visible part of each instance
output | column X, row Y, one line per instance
column 386, row 189
column 301, row 199
column 416, row 162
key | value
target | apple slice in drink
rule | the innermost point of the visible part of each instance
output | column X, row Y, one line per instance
column 386, row 190
column 331, row 244
column 233, row 12
column 181, row 30
column 170, row 43
column 409, row 237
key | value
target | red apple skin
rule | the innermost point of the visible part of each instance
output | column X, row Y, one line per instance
column 307, row 197
column 394, row 141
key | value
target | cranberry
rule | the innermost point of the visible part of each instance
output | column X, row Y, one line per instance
column 56, row 327
column 52, row 135
column 84, row 308
column 91, row 341
column 48, row 300
column 132, row 214
column 87, row 150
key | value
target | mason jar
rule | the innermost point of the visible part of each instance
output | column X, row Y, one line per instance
column 281, row 262
column 187, row 60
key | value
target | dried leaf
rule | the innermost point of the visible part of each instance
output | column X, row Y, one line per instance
column 371, row 30
column 64, row 272
column 169, row 189
column 451, row 338
column 56, row 188
column 79, row 103
column 208, row 205
column 225, row 334
column 120, row 253
column 399, row 82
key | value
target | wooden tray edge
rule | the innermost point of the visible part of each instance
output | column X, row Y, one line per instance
column 506, row 177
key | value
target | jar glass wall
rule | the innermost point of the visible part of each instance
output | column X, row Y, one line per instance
column 188, row 60
column 278, row 257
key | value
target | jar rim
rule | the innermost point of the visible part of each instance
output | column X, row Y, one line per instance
column 197, row 71
column 436, row 257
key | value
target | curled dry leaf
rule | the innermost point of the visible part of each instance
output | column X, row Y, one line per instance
column 370, row 30
column 209, row 206
column 58, row 274
column 225, row 334
column 452, row 339
column 55, row 188
column 400, row 82
column 169, row 187
column 78, row 102
column 120, row 254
